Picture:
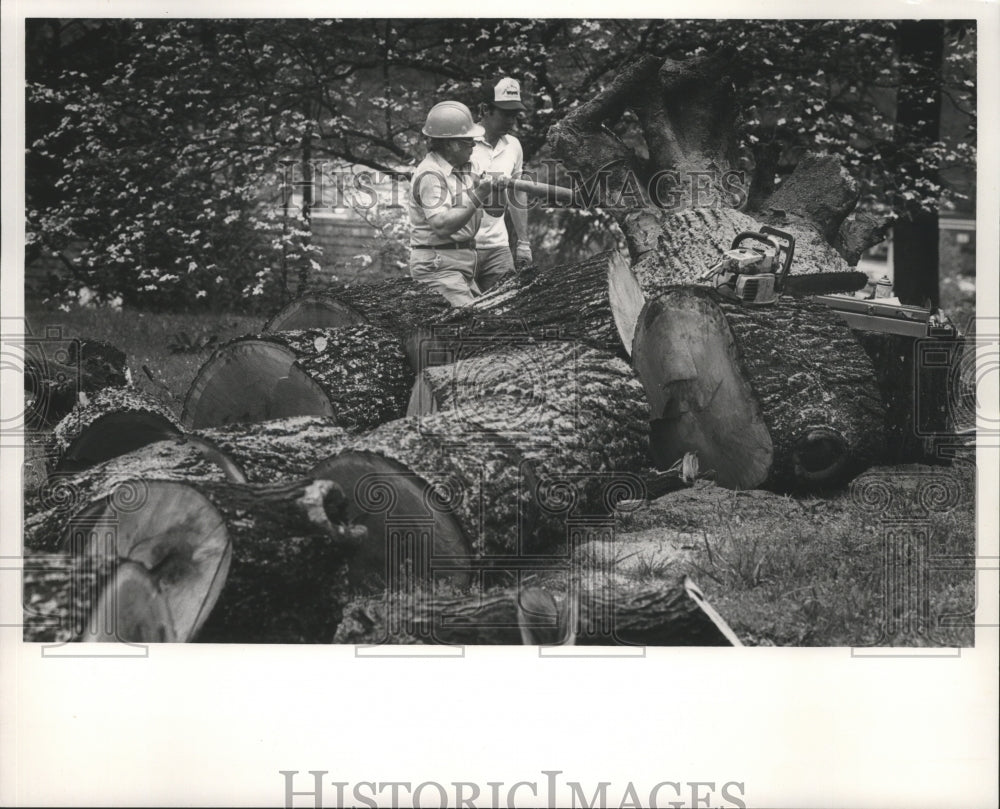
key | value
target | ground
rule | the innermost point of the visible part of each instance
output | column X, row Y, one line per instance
column 831, row 570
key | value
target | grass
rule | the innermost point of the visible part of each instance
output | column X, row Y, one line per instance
column 782, row 571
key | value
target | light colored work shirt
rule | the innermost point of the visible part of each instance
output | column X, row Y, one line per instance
column 503, row 160
column 436, row 186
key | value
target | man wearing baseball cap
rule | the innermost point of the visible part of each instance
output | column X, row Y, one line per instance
column 497, row 153
column 445, row 205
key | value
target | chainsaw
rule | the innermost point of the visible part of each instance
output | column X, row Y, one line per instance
column 756, row 270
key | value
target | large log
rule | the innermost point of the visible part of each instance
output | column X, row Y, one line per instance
column 780, row 396
column 106, row 424
column 281, row 448
column 57, row 370
column 48, row 513
column 653, row 616
column 398, row 304
column 574, row 301
column 529, row 441
column 285, row 583
column 357, row 375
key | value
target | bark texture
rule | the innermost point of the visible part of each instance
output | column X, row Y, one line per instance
column 48, row 514
column 399, row 305
column 112, row 422
column 282, row 448
column 779, row 396
column 357, row 375
column 666, row 616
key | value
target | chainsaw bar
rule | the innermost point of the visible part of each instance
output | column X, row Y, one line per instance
column 824, row 283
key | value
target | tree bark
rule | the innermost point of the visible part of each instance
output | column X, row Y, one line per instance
column 668, row 616
column 47, row 515
column 358, row 375
column 574, row 301
column 398, row 305
column 112, row 422
column 778, row 396
column 529, row 443
column 283, row 448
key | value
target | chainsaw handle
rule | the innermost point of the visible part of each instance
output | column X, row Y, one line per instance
column 752, row 234
column 789, row 240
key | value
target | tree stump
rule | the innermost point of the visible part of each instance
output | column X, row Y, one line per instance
column 642, row 616
column 58, row 369
column 47, row 515
column 112, row 422
column 399, row 305
column 282, row 448
column 356, row 375
column 779, row 396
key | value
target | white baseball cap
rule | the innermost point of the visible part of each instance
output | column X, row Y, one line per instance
column 507, row 95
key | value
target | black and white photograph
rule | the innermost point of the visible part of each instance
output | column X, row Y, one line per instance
column 493, row 378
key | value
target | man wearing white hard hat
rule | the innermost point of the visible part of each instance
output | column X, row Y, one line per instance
column 498, row 154
column 445, row 205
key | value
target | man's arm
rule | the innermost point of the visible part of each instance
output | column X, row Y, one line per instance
column 447, row 217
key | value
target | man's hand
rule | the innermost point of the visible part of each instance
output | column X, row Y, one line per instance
column 522, row 255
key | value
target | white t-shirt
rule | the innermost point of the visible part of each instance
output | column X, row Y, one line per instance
column 504, row 160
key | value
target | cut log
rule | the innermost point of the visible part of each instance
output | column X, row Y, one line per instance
column 642, row 616
column 780, row 396
column 917, row 386
column 283, row 448
column 398, row 305
column 356, row 375
column 573, row 301
column 57, row 370
column 47, row 515
column 72, row 599
column 529, row 442
column 112, row 422
column 285, row 582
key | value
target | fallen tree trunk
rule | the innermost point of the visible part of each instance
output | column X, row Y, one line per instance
column 668, row 616
column 778, row 396
column 573, row 301
column 282, row 448
column 109, row 423
column 48, row 514
column 357, row 375
column 57, row 370
column 399, row 305
column 530, row 442
column 285, row 580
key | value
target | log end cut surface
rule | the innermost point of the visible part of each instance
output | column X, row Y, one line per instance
column 252, row 380
column 408, row 530
column 174, row 533
column 112, row 435
column 699, row 400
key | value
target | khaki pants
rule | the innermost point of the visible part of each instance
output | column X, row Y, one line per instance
column 450, row 272
column 493, row 264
